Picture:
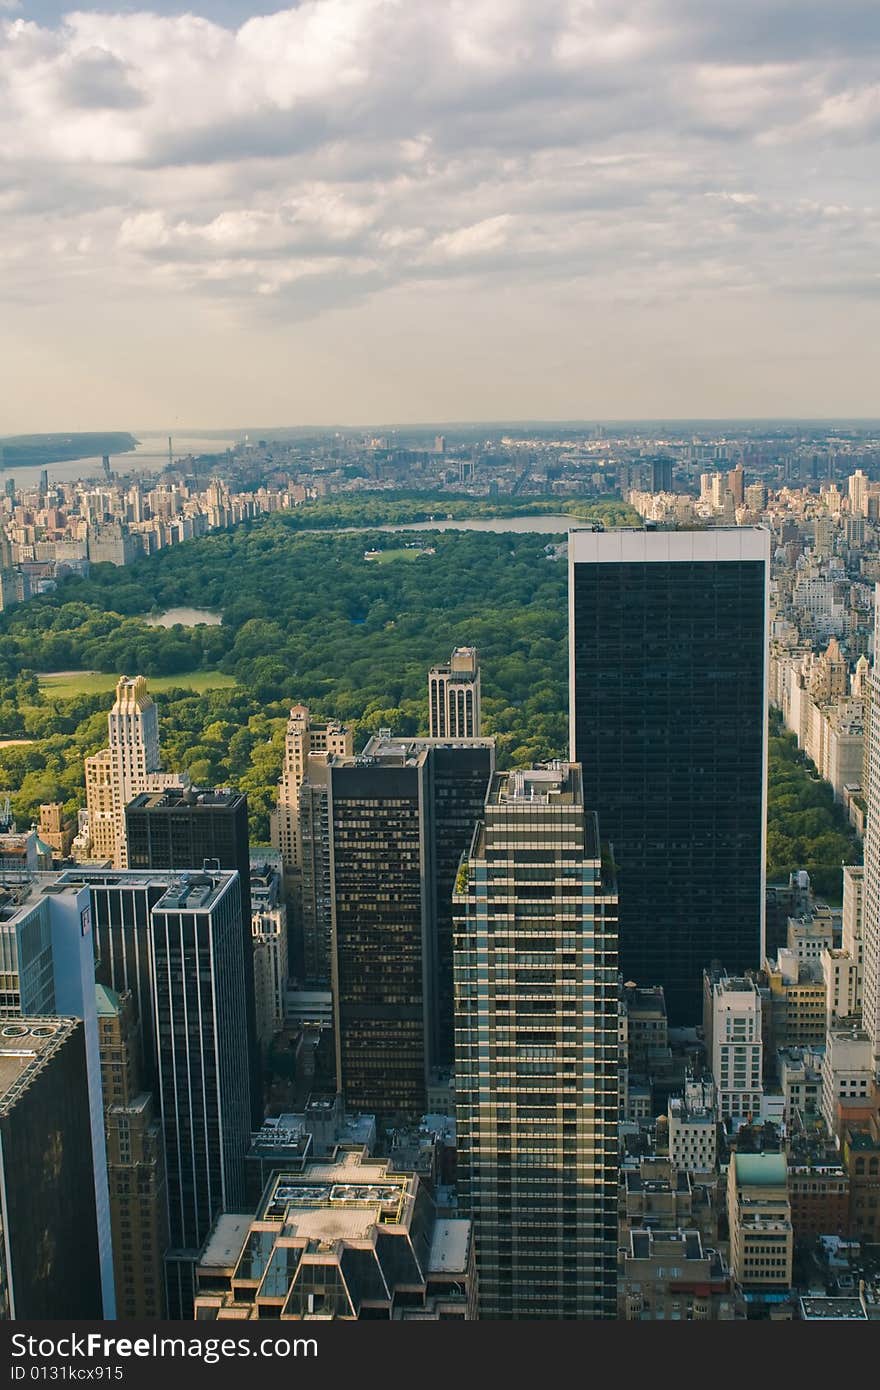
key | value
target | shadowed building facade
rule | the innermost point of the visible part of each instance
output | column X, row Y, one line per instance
column 668, row 711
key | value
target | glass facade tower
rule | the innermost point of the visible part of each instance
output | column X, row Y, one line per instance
column 668, row 710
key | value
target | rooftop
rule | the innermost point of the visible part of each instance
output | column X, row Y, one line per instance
column 833, row 1310
column 450, row 1246
column 226, row 1239
column 188, row 799
column 25, row 1044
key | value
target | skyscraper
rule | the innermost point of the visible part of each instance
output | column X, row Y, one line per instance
column 668, row 716
column 454, row 696
column 174, row 940
column 47, row 966
column 49, row 1263
column 128, row 765
column 187, row 828
column 398, row 819
column 537, row 1051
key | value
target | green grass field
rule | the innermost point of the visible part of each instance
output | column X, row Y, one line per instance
column 384, row 557
column 63, row 685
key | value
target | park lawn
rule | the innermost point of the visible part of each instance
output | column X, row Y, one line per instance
column 384, row 557
column 64, row 685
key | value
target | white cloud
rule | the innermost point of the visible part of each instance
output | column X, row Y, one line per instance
column 635, row 149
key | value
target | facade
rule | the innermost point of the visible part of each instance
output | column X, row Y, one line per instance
column 127, row 766
column 346, row 1239
column 454, row 696
column 733, row 1024
column 135, row 1163
column 537, row 1050
column 759, row 1220
column 302, row 738
column 188, row 829
column 49, row 1257
column 174, row 940
column 667, row 668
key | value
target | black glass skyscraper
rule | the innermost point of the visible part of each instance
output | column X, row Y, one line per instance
column 667, row 670
column 183, row 828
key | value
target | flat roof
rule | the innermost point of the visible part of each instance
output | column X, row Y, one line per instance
column 833, row 1310
column 450, row 1246
column 24, row 1043
column 623, row 545
column 226, row 1239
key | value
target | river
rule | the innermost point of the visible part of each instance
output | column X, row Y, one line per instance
column 150, row 456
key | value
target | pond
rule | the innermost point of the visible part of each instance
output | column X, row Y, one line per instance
column 187, row 617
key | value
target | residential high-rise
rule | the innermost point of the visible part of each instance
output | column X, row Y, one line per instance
column 191, row 828
column 174, row 940
column 269, row 932
column 871, row 900
column 668, row 710
column 537, row 1050
column 454, row 696
column 302, row 737
column 128, row 765
column 135, row 1163
column 49, row 1260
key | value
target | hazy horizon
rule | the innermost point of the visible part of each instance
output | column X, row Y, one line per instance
column 395, row 210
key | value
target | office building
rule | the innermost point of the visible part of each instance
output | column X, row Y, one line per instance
column 399, row 818
column 459, row 773
column 192, row 828
column 49, row 1259
column 47, row 967
column 454, row 696
column 380, row 930
column 537, row 1051
column 127, row 766
column 173, row 939
column 135, row 1163
column 316, row 880
column 303, row 737
column 667, row 669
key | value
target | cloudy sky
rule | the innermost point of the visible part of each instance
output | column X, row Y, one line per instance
column 354, row 211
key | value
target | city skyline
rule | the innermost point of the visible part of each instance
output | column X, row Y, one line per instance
column 432, row 212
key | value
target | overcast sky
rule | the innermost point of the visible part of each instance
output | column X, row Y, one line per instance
column 355, row 211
